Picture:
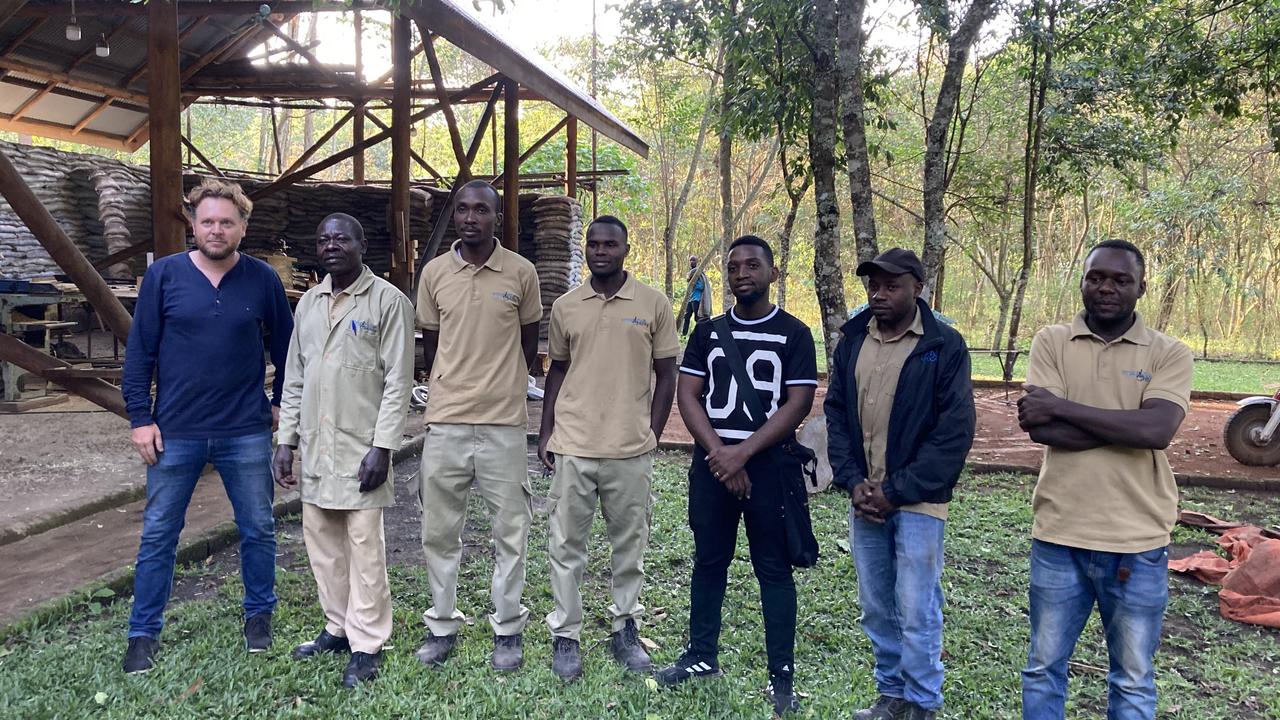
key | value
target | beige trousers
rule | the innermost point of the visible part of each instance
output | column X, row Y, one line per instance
column 349, row 561
column 622, row 490
column 495, row 459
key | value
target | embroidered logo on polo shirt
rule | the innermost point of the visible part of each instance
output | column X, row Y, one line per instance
column 929, row 357
column 507, row 296
column 1139, row 375
column 636, row 321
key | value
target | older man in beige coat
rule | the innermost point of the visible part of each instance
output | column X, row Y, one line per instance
column 347, row 384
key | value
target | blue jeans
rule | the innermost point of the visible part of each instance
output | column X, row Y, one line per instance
column 900, row 590
column 245, row 466
column 1131, row 590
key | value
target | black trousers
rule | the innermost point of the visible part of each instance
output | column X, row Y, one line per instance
column 713, row 516
column 690, row 310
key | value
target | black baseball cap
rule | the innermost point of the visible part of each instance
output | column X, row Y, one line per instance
column 895, row 261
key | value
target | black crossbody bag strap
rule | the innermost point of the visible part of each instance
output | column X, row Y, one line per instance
column 724, row 336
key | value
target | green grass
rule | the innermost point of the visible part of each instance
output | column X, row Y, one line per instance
column 68, row 666
column 1220, row 375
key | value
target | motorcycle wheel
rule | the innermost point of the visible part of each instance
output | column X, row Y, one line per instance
column 1238, row 436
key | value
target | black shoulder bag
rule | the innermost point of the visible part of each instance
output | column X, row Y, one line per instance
column 802, row 546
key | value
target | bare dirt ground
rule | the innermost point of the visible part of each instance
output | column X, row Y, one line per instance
column 62, row 457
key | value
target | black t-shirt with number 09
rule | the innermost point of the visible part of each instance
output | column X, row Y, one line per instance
column 778, row 353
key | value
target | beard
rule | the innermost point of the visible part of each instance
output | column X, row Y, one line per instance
column 217, row 254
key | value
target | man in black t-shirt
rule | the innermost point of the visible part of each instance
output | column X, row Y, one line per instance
column 739, row 468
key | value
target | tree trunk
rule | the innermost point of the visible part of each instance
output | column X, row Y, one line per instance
column 1039, row 82
column 669, row 230
column 935, row 158
column 264, row 132
column 724, row 156
column 1168, row 297
column 828, row 279
column 784, row 241
column 852, row 42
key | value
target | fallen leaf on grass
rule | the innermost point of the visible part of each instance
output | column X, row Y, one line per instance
column 843, row 545
column 192, row 689
column 100, row 698
column 649, row 644
column 651, row 684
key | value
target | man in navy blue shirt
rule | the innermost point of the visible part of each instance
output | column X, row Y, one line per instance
column 198, row 331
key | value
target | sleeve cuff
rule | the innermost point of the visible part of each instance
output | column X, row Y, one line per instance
column 1174, row 398
column 287, row 437
column 392, row 444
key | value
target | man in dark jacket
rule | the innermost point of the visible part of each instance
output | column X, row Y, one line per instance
column 900, row 421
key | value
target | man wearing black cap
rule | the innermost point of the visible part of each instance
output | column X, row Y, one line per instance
column 900, row 421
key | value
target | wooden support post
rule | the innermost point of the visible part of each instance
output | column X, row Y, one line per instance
column 63, row 251
column 96, row 391
column 402, row 79
column 168, row 225
column 511, row 165
column 571, row 157
column 437, row 78
column 357, row 119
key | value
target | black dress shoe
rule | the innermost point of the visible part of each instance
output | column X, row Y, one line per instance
column 324, row 643
column 363, row 667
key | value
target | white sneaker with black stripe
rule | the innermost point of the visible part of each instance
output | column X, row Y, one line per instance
column 687, row 667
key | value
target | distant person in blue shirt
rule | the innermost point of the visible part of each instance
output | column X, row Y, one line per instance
column 198, row 331
column 692, row 306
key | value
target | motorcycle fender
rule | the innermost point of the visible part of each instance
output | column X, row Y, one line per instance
column 1257, row 400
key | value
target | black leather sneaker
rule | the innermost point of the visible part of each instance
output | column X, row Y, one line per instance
column 324, row 643
column 508, row 652
column 687, row 667
column 885, row 708
column 140, row 657
column 362, row 668
column 783, row 695
column 257, row 633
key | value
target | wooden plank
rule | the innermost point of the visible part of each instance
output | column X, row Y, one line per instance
column 36, row 97
column 571, row 157
column 422, row 163
column 465, row 31
column 401, row 243
column 196, row 9
column 95, row 390
column 76, row 372
column 42, row 128
column 368, row 142
column 535, row 147
column 123, row 254
column 164, row 121
column 511, row 166
column 62, row 250
column 357, row 118
column 201, row 157
column 437, row 79
column 306, row 155
column 483, row 125
column 62, row 78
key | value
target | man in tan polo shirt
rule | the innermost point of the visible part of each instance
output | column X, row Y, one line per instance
column 600, row 424
column 1105, row 395
column 478, row 307
column 900, row 421
column 345, row 396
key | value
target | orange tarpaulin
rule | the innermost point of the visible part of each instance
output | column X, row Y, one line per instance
column 1250, row 579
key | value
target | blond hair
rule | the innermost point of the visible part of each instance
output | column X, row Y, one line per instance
column 220, row 190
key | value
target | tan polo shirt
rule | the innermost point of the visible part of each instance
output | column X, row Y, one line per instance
column 1111, row 499
column 603, row 407
column 479, row 376
column 876, row 373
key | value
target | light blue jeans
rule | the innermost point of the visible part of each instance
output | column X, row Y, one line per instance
column 900, row 590
column 1131, row 591
column 245, row 466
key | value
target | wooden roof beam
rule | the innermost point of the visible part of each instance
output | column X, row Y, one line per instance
column 201, row 157
column 422, row 163
column 194, row 9
column 41, row 128
column 437, row 79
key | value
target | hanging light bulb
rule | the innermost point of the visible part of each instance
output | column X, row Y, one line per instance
column 73, row 29
column 102, row 49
